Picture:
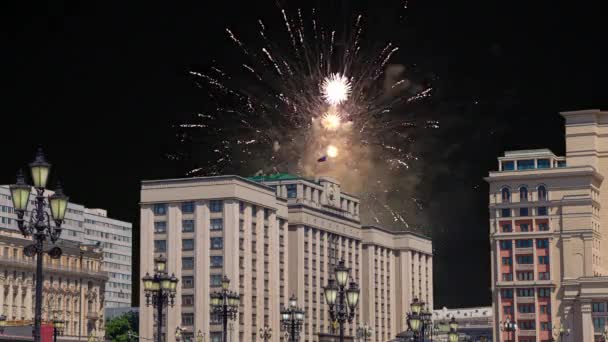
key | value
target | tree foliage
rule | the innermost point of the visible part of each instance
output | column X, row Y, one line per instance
column 118, row 328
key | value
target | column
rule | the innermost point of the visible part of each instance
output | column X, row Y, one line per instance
column 248, row 217
column 259, row 310
column 2, row 283
column 587, row 323
column 146, row 317
column 406, row 288
column 9, row 299
column 318, row 285
column 173, row 315
column 393, row 296
column 19, row 301
column 201, row 264
column 274, row 303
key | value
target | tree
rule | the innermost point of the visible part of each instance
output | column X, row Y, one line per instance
column 118, row 328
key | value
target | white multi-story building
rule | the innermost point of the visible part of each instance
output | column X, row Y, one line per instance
column 275, row 236
column 91, row 226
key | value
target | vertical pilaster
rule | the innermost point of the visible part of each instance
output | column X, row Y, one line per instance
column 202, row 266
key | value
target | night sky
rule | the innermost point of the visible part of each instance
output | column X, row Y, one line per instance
column 99, row 85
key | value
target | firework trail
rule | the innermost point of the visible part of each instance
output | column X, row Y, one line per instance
column 316, row 94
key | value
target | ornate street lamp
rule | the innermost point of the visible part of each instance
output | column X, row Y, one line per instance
column 265, row 333
column 160, row 290
column 2, row 324
column 58, row 325
column 292, row 319
column 200, row 336
column 364, row 332
column 561, row 332
column 453, row 334
column 418, row 320
column 342, row 300
column 508, row 326
column 225, row 305
column 178, row 333
column 39, row 225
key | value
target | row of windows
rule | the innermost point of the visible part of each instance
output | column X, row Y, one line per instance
column 215, row 280
column 528, row 243
column 526, row 276
column 526, row 292
column 160, row 227
column 524, row 227
column 216, row 242
column 215, row 206
column 525, row 211
column 523, row 194
column 526, row 260
column 544, row 309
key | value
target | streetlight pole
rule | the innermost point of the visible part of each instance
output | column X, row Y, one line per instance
column 58, row 325
column 39, row 225
column 561, row 332
column 414, row 318
column 453, row 334
column 508, row 326
column 265, row 333
column 2, row 324
column 200, row 336
column 225, row 304
column 292, row 318
column 160, row 290
column 342, row 300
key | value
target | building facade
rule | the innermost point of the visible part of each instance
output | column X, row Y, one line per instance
column 72, row 288
column 91, row 226
column 474, row 324
column 548, row 233
column 289, row 233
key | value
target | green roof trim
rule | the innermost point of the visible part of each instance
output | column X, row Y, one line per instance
column 273, row 177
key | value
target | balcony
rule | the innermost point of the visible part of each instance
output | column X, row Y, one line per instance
column 522, row 300
column 92, row 316
column 527, row 333
column 524, row 250
column 526, row 316
column 524, row 267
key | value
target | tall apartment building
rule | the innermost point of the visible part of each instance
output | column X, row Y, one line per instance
column 548, row 232
column 72, row 288
column 289, row 233
column 91, row 226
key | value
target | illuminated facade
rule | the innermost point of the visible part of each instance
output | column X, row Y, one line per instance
column 288, row 232
column 548, row 232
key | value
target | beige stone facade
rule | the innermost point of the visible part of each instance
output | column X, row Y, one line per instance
column 73, row 286
column 273, row 237
column 549, row 234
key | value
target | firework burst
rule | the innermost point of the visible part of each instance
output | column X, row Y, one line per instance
column 321, row 93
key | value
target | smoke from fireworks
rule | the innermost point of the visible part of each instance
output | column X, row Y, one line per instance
column 322, row 94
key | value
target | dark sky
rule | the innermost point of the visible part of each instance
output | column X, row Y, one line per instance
column 99, row 85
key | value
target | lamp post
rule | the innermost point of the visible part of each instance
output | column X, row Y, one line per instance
column 58, row 325
column 561, row 332
column 414, row 318
column 453, row 333
column 160, row 290
column 178, row 333
column 364, row 332
column 2, row 324
column 292, row 318
column 265, row 333
column 509, row 327
column 427, row 322
column 200, row 336
column 39, row 225
column 225, row 305
column 342, row 300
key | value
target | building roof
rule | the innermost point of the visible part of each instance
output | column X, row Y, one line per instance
column 274, row 177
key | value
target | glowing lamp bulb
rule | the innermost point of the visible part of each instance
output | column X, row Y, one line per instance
column 332, row 151
column 335, row 89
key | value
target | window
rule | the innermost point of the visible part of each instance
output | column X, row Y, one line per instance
column 507, row 310
column 543, row 226
column 160, row 246
column 542, row 243
column 188, row 318
column 217, row 261
column 525, row 308
column 561, row 163
column 525, row 292
column 217, row 224
column 598, row 324
column 545, row 326
column 525, row 259
column 505, row 244
column 216, row 206
column 598, row 307
column 523, row 212
column 215, row 336
column 542, row 193
column 525, row 276
column 506, row 195
column 544, row 309
column 187, row 244
column 187, row 282
column 506, row 212
column 525, row 164
column 523, row 243
column 526, row 325
column 160, row 209
column 542, row 211
column 507, row 261
column 544, row 292
column 523, row 194
column 216, row 280
column 524, row 227
column 544, row 276
column 188, row 207
column 292, row 191
column 543, row 163
column 506, row 293
column 508, row 165
column 187, row 263
column 187, row 300
column 160, row 227
column 241, row 207
column 507, row 276
column 543, row 260
column 217, row 243
column 506, row 228
column 187, row 226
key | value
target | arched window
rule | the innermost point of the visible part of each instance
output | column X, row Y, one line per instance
column 523, row 194
column 506, row 195
column 542, row 193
